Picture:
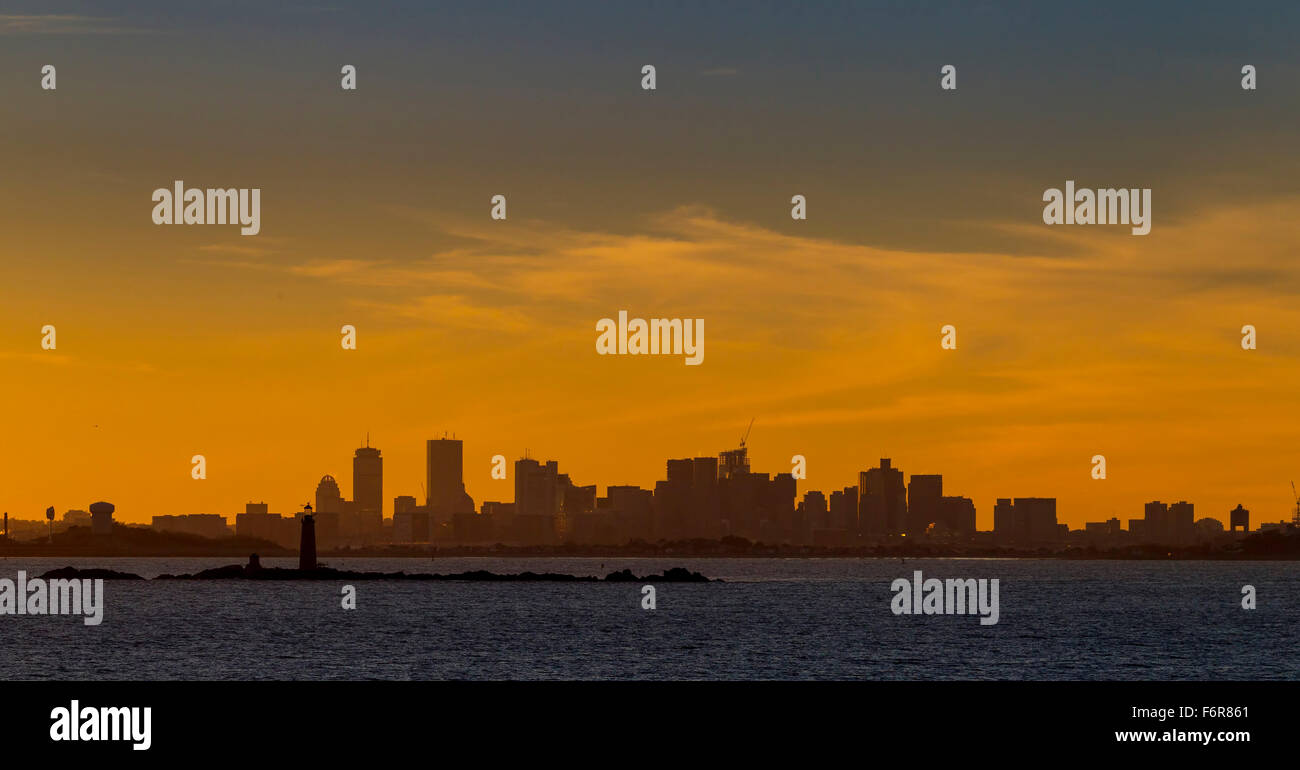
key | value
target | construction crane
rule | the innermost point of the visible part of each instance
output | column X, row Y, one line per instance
column 745, row 437
column 1295, row 515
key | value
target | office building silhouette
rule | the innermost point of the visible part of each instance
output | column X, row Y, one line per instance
column 367, row 514
column 328, row 497
column 1026, row 520
column 445, row 493
column 924, row 502
column 1239, row 517
column 882, row 500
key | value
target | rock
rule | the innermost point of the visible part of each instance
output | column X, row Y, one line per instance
column 73, row 573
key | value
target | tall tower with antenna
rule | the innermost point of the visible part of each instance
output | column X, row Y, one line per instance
column 368, row 489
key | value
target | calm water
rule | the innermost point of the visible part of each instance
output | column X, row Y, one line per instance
column 772, row 619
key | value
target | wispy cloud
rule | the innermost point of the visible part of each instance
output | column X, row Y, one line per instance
column 237, row 249
column 65, row 24
column 47, row 357
column 690, row 257
column 1030, row 327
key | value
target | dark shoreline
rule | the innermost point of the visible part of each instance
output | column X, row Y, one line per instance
column 252, row 571
column 534, row 552
column 134, row 543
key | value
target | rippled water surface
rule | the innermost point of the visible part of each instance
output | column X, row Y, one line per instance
column 770, row 619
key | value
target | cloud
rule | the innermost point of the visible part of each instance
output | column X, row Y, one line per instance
column 456, row 312
column 239, row 250
column 45, row 357
column 767, row 287
column 64, row 24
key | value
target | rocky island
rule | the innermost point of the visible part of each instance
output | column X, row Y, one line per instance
column 255, row 571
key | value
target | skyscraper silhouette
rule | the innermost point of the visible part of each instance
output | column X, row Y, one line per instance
column 445, row 495
column 368, row 489
column 924, row 500
column 536, row 488
column 882, row 500
column 328, row 497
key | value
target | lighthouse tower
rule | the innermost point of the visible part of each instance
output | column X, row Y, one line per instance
column 307, row 547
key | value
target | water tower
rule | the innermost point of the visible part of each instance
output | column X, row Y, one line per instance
column 101, row 518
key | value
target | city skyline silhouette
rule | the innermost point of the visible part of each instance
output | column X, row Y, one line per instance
column 711, row 497
column 924, row 209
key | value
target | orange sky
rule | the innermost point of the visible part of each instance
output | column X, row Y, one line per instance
column 924, row 210
column 1128, row 348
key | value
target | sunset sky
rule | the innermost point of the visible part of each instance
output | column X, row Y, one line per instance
column 924, row 209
